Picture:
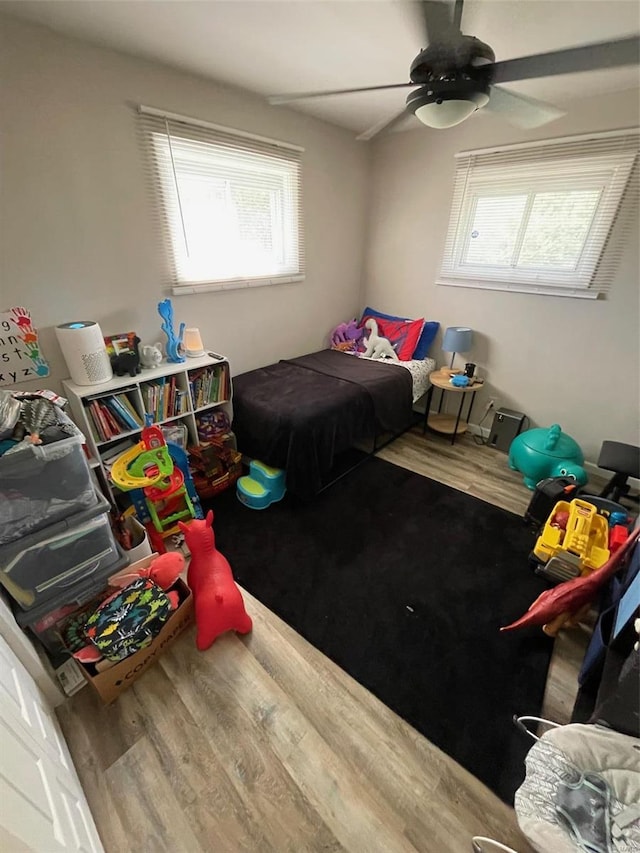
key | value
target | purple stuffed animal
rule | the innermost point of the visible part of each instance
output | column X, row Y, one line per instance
column 347, row 334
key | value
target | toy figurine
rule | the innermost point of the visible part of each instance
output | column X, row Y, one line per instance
column 377, row 346
column 174, row 347
column 560, row 520
column 151, row 355
column 546, row 452
column 128, row 361
column 347, row 336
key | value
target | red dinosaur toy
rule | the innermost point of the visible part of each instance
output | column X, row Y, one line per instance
column 568, row 602
column 218, row 601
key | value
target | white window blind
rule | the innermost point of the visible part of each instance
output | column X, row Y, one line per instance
column 229, row 204
column 546, row 217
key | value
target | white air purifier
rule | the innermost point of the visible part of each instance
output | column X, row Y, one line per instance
column 84, row 351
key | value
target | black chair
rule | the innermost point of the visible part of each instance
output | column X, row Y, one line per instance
column 624, row 461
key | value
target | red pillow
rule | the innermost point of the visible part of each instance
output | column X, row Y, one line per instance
column 403, row 334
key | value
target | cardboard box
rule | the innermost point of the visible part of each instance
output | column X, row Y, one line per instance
column 110, row 683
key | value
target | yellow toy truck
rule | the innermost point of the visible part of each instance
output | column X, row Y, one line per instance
column 574, row 541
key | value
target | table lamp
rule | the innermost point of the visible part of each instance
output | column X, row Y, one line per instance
column 457, row 339
column 193, row 343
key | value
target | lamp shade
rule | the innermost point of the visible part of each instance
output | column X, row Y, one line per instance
column 457, row 339
column 193, row 343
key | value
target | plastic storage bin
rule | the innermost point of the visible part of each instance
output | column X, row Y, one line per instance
column 44, row 620
column 43, row 565
column 42, row 484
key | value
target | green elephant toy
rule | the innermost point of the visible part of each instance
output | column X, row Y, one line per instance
column 546, row 452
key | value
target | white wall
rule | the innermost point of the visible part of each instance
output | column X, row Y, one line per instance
column 556, row 359
column 76, row 232
column 77, row 240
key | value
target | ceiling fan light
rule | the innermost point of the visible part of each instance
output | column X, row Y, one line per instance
column 445, row 113
column 445, row 109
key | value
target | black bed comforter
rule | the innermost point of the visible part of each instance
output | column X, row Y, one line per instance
column 299, row 413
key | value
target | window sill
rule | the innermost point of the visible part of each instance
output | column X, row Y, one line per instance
column 515, row 287
column 187, row 289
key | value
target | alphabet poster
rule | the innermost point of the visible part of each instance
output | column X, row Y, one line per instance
column 20, row 356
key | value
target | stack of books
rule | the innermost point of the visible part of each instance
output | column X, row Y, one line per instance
column 111, row 415
column 163, row 399
column 209, row 385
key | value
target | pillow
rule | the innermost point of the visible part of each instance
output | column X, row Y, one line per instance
column 403, row 334
column 429, row 331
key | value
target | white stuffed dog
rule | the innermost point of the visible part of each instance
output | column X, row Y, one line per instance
column 378, row 347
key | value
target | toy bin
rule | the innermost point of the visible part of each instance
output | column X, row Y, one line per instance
column 42, row 484
column 41, row 566
column 45, row 620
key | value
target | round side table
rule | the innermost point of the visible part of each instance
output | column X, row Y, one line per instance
column 452, row 425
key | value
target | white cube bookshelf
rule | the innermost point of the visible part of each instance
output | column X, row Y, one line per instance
column 136, row 389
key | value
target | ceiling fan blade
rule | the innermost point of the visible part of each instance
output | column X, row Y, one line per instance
column 457, row 14
column 385, row 124
column 520, row 111
column 300, row 96
column 436, row 20
column 587, row 57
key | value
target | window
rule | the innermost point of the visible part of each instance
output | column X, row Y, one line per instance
column 230, row 204
column 539, row 217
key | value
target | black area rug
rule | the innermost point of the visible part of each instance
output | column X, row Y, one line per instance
column 404, row 583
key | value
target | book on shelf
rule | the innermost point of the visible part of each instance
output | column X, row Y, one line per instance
column 94, row 429
column 114, row 426
column 126, row 402
column 209, row 385
column 170, row 398
column 121, row 413
column 96, row 418
column 226, row 380
column 110, row 415
column 163, row 398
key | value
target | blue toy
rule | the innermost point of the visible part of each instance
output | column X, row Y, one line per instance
column 174, row 347
column 546, row 452
column 459, row 380
column 263, row 486
column 619, row 517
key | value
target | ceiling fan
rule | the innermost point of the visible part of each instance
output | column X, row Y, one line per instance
column 456, row 74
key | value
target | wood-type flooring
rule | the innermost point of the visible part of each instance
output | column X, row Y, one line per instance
column 263, row 744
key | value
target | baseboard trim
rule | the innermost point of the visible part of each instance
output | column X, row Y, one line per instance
column 590, row 467
column 476, row 429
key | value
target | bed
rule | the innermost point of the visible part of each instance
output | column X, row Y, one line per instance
column 300, row 414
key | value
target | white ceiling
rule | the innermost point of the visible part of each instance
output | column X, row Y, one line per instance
column 300, row 45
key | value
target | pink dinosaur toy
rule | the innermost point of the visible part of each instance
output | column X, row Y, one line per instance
column 218, row 601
